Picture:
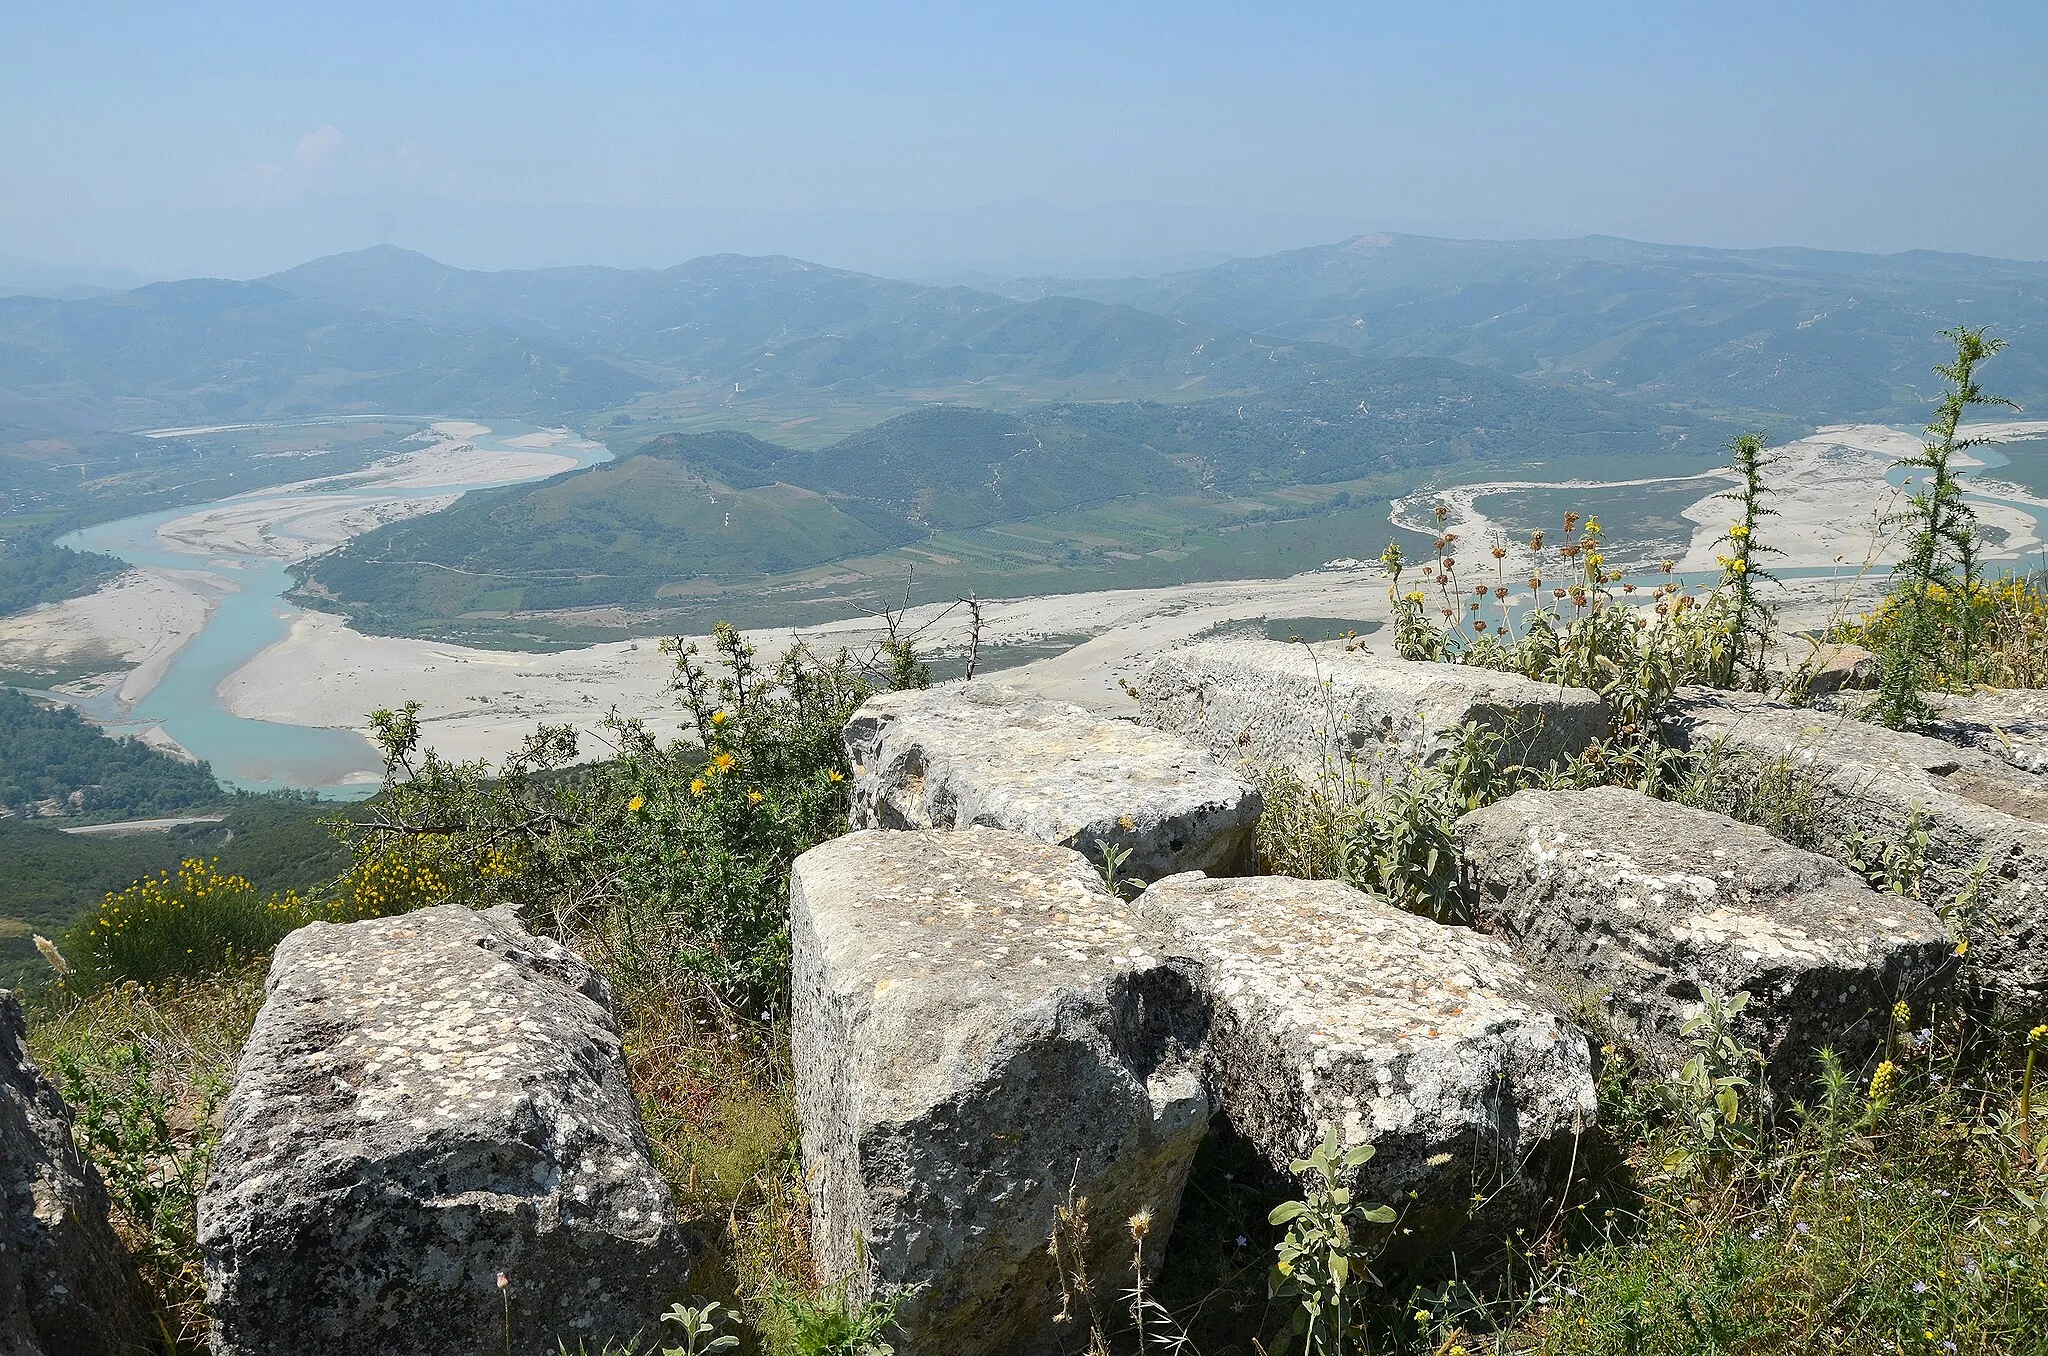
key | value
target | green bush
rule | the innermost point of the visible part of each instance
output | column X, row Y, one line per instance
column 669, row 861
column 198, row 921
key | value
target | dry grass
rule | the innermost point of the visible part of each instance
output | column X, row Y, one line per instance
column 159, row 1059
column 721, row 1121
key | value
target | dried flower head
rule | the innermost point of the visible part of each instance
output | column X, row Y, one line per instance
column 52, row 955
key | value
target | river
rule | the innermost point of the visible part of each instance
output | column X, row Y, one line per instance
column 250, row 612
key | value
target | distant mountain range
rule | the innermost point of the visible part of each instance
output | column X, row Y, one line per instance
column 1801, row 336
column 901, row 413
column 1812, row 335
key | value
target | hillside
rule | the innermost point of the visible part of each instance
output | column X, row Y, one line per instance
column 1062, row 496
column 1817, row 335
column 50, row 755
column 213, row 350
column 708, row 313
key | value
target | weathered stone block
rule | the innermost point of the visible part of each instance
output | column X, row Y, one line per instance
column 67, row 1286
column 427, row 1101
column 1644, row 904
column 979, row 1027
column 1333, row 1008
column 1322, row 708
column 966, row 754
column 1986, row 821
column 2010, row 724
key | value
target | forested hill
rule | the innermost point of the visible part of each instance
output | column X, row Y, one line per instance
column 211, row 350
column 49, row 754
column 1819, row 335
column 1109, row 491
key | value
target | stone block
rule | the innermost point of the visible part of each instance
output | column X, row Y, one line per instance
column 1643, row 904
column 979, row 1028
column 964, row 754
column 1330, row 1007
column 1325, row 709
column 427, row 1101
column 1986, row 821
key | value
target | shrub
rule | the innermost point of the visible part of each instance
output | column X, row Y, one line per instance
column 198, row 921
column 145, row 1068
column 1575, row 620
column 1942, row 552
column 669, row 861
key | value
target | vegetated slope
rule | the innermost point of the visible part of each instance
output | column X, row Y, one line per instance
column 32, row 571
column 217, row 351
column 713, row 313
column 277, row 841
column 51, row 753
column 768, row 325
column 723, row 508
column 1817, row 335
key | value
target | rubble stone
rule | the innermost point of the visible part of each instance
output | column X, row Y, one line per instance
column 1645, row 904
column 428, row 1101
column 1333, row 1008
column 1986, row 821
column 1325, row 709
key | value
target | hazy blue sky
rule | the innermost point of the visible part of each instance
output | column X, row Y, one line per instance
column 239, row 138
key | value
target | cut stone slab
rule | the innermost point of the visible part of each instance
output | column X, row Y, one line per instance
column 1334, row 1008
column 2010, row 724
column 67, row 1286
column 964, row 754
column 427, row 1101
column 1616, row 896
column 979, row 1028
column 1325, row 708
column 1979, row 812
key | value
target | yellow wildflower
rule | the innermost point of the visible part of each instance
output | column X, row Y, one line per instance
column 718, row 717
column 635, row 804
column 753, row 797
column 697, row 787
column 723, row 762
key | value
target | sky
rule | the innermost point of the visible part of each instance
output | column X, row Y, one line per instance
column 238, row 139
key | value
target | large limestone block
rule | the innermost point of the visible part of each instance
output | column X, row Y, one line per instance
column 1645, row 904
column 982, row 754
column 2010, row 724
column 1322, row 708
column 979, row 1027
column 427, row 1101
column 1334, row 1008
column 67, row 1286
column 1867, row 783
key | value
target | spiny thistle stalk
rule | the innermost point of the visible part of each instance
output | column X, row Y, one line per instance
column 1749, row 622
column 1942, row 555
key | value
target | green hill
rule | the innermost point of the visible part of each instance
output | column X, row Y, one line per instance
column 1097, row 494
column 1819, row 336
column 210, row 350
column 48, row 753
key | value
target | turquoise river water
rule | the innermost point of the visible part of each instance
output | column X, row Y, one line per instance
column 256, row 754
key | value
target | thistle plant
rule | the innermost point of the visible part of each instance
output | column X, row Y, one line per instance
column 1748, row 616
column 1706, row 1092
column 1942, row 552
